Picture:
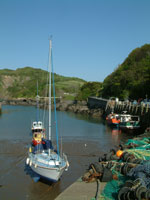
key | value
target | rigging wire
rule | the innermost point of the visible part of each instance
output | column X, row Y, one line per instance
column 46, row 94
column 55, row 106
column 61, row 150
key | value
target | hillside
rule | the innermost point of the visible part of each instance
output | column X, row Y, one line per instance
column 132, row 78
column 23, row 83
column 89, row 89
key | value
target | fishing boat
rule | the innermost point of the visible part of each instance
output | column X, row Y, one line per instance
column 113, row 119
column 43, row 159
column 129, row 122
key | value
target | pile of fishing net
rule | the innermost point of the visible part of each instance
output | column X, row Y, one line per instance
column 132, row 170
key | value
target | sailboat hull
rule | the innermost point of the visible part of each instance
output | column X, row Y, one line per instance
column 48, row 173
column 48, row 166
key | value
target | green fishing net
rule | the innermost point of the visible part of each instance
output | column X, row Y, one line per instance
column 142, row 151
column 144, row 141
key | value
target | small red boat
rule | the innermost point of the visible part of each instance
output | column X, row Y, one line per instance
column 113, row 119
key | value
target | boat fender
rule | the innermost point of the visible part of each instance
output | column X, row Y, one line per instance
column 67, row 166
column 27, row 161
column 30, row 163
column 30, row 149
column 35, row 165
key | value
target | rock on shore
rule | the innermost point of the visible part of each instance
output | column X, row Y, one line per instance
column 62, row 105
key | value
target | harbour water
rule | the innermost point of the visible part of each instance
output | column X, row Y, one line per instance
column 84, row 139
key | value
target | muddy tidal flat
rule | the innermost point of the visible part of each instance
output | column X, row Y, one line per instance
column 84, row 140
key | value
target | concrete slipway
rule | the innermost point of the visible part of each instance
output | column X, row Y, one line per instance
column 80, row 190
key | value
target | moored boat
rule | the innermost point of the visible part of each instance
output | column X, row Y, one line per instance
column 129, row 122
column 43, row 159
column 113, row 119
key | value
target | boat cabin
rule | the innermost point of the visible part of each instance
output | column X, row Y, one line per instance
column 125, row 118
column 38, row 132
column 37, row 127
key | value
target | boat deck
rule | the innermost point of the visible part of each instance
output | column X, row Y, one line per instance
column 46, row 160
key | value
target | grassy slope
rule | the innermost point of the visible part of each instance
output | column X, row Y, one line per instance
column 23, row 83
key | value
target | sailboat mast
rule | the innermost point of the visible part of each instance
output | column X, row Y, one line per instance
column 37, row 101
column 50, row 104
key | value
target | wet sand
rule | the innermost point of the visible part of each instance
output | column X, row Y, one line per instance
column 16, row 182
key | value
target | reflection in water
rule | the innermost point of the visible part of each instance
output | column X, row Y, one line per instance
column 116, row 131
column 85, row 117
column 116, row 134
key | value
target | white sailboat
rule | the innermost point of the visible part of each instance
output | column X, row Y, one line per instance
column 42, row 158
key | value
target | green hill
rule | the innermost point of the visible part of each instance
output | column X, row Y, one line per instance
column 89, row 89
column 23, row 83
column 132, row 78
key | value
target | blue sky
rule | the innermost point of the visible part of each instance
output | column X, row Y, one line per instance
column 90, row 37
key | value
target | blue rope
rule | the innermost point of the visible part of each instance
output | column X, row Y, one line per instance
column 55, row 107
